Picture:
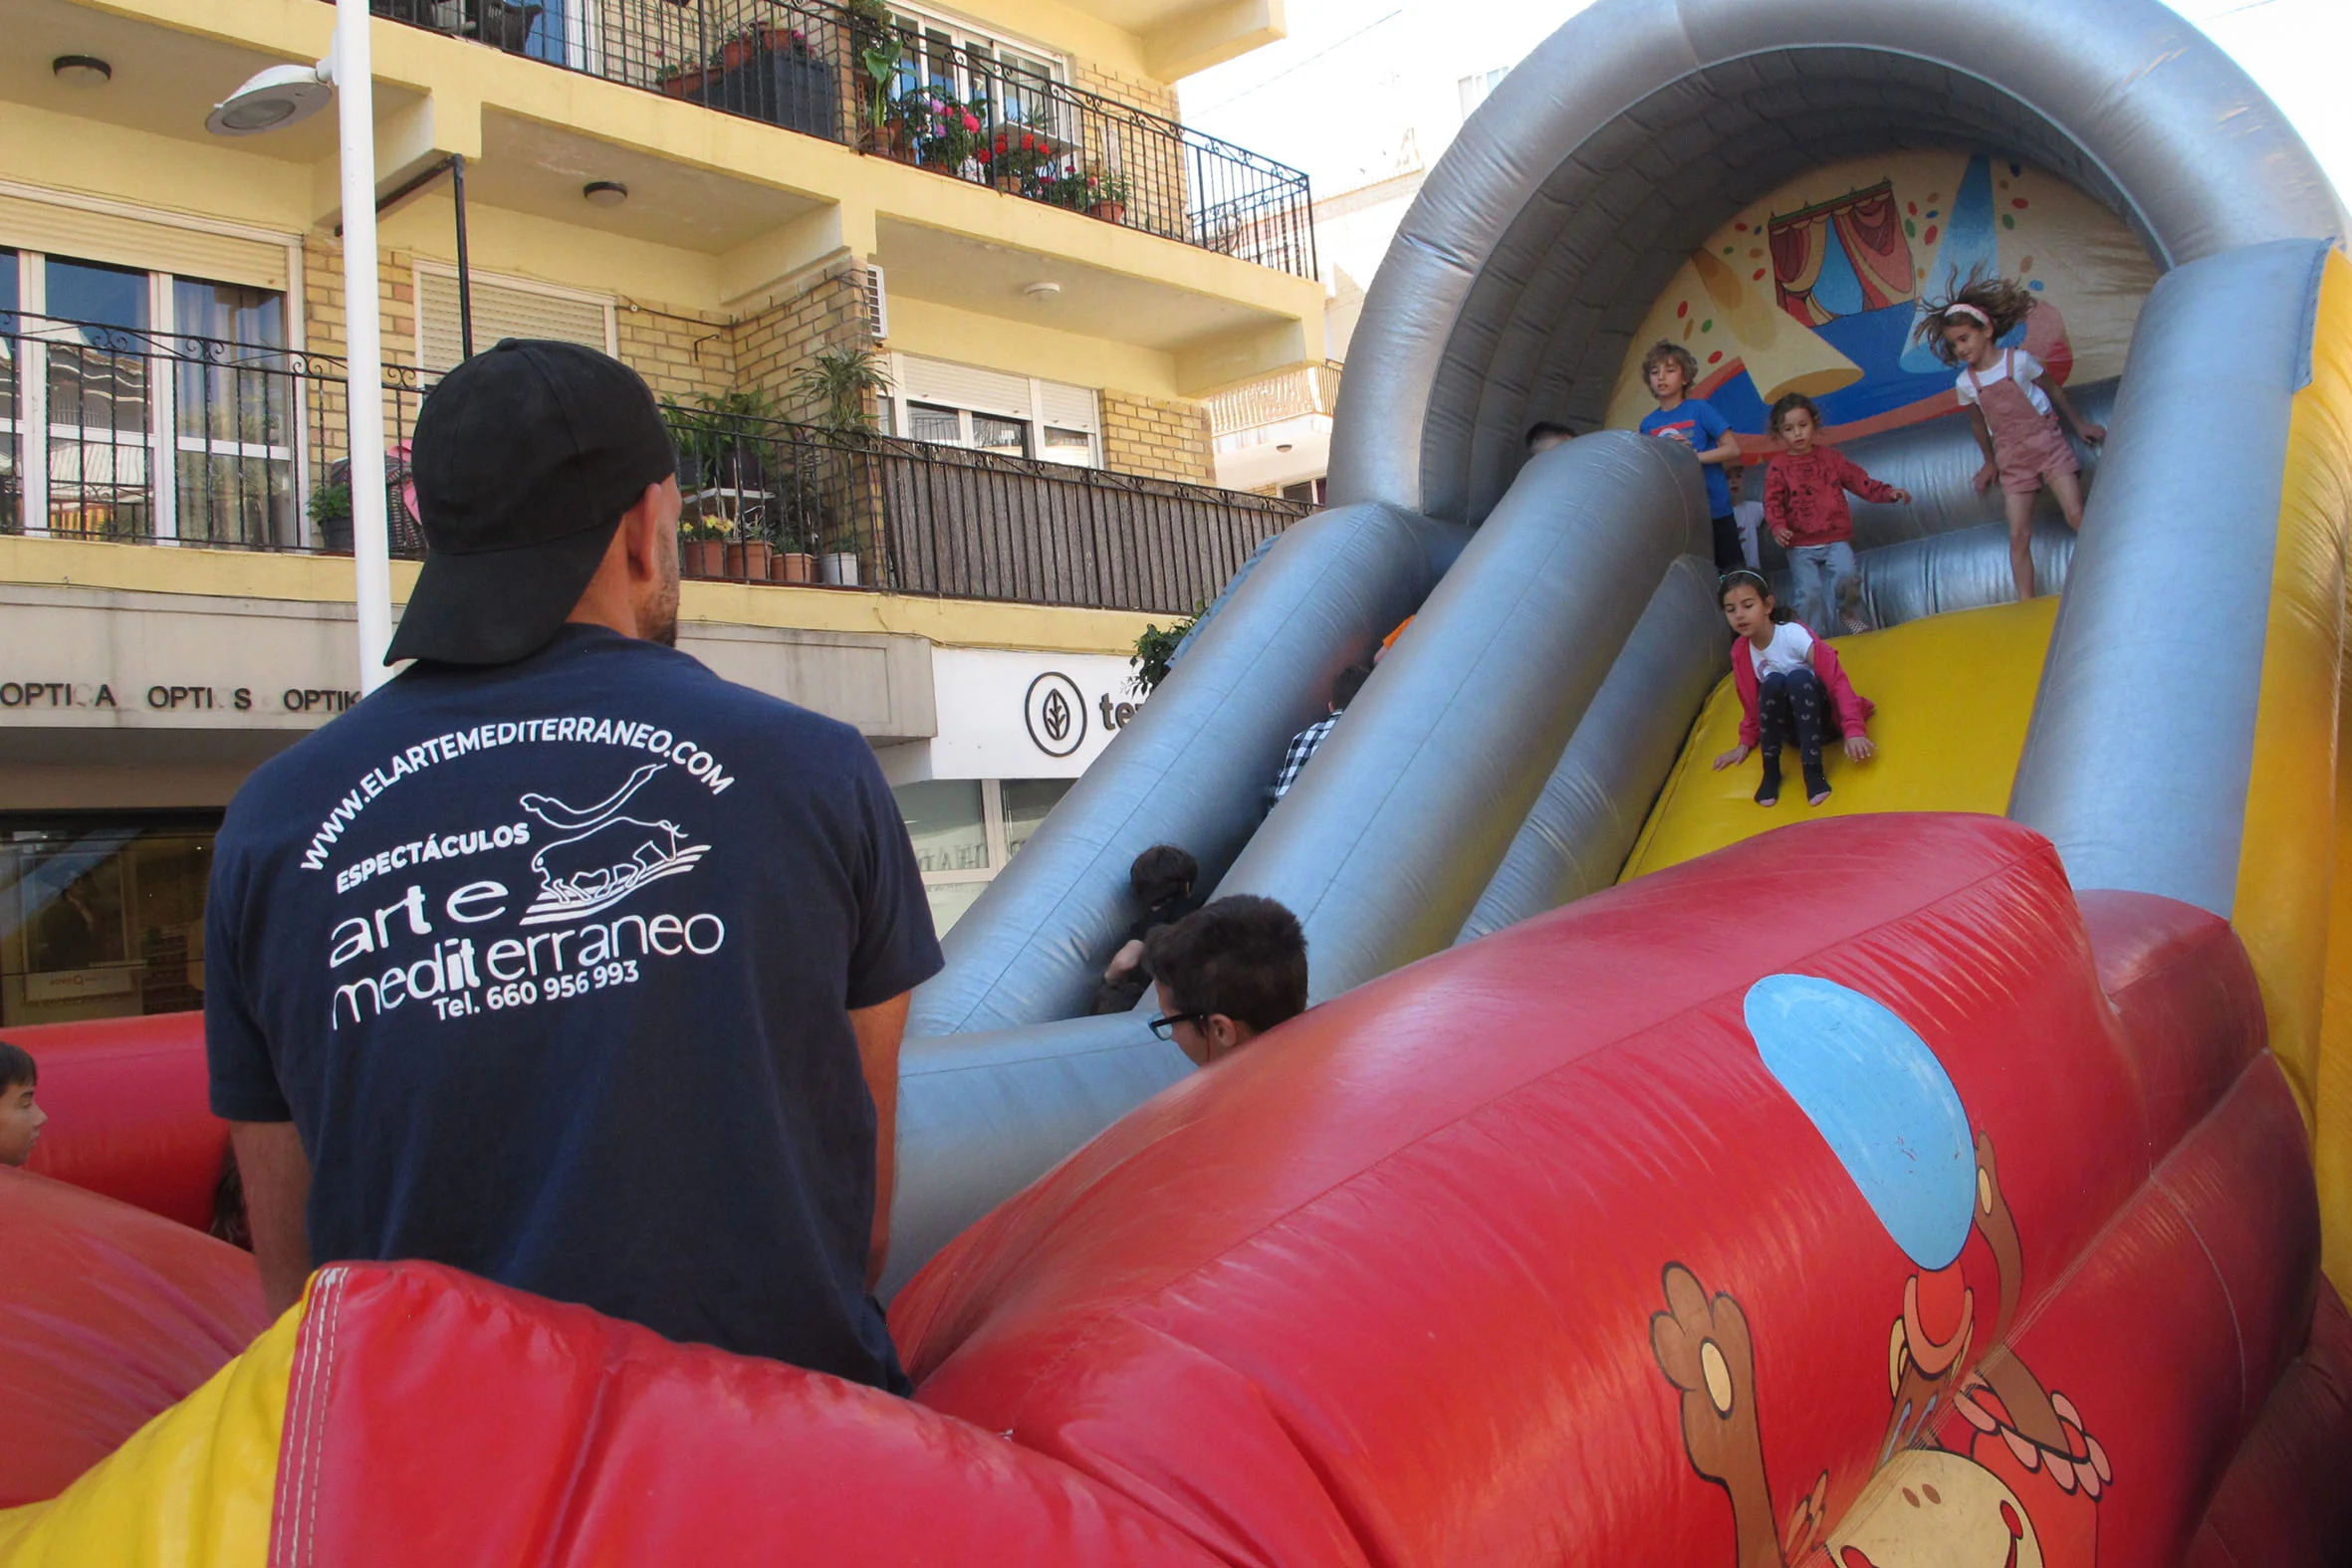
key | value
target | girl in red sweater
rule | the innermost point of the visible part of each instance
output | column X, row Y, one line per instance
column 1806, row 507
column 1792, row 688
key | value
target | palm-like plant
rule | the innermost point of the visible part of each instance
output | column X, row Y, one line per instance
column 836, row 384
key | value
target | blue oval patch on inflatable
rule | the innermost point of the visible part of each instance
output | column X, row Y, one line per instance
column 1884, row 1103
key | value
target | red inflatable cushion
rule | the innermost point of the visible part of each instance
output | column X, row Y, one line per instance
column 1388, row 1285
column 437, row 1418
column 129, row 1112
column 108, row 1316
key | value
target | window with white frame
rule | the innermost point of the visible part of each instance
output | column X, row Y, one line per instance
column 1476, row 88
column 994, row 411
column 965, row 830
column 112, row 376
column 502, row 308
column 950, row 57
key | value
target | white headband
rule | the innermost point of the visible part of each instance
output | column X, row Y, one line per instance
column 1963, row 308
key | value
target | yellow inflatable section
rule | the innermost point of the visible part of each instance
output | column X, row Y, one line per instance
column 1955, row 694
column 193, row 1488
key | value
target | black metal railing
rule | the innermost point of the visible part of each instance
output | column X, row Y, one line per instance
column 768, row 500
column 136, row 436
column 979, row 113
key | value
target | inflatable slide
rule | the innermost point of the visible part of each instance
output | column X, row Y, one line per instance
column 1953, row 1173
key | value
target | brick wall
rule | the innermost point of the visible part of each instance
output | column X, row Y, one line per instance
column 775, row 341
column 683, row 355
column 1144, row 92
column 1156, row 437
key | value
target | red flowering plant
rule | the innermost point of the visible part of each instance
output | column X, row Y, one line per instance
column 1019, row 151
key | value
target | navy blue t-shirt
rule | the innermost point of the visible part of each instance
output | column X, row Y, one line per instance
column 1694, row 420
column 551, row 964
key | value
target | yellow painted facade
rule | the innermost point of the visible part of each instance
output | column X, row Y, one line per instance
column 740, row 251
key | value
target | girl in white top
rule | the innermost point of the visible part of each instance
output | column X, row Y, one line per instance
column 1792, row 688
column 2011, row 406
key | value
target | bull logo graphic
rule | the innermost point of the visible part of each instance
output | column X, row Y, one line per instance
column 604, row 856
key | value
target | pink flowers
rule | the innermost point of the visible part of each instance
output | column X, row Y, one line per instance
column 972, row 124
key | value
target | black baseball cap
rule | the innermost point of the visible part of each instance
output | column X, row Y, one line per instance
column 524, row 459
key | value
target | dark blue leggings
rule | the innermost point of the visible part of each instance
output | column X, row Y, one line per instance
column 1789, row 707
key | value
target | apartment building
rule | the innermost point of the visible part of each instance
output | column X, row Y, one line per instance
column 994, row 205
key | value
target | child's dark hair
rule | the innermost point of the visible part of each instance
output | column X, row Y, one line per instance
column 1995, row 304
column 1243, row 956
column 1544, row 428
column 1162, row 872
column 1666, row 351
column 1348, row 683
column 1741, row 578
column 1789, row 405
column 17, row 1070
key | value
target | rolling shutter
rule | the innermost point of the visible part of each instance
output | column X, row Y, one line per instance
column 83, row 235
column 502, row 310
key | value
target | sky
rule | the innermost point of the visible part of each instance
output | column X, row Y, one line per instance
column 1355, row 78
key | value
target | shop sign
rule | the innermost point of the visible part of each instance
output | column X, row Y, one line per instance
column 1006, row 715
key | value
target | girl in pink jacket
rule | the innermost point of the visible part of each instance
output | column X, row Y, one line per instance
column 1791, row 686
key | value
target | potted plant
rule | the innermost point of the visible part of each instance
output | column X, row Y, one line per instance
column 834, row 386
column 1019, row 157
column 1107, row 197
column 748, row 558
column 837, row 566
column 702, row 544
column 800, row 519
column 330, row 516
column 880, row 51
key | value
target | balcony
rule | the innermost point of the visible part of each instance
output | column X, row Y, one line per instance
column 166, row 439
column 845, row 76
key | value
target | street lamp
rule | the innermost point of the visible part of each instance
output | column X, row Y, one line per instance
column 279, row 96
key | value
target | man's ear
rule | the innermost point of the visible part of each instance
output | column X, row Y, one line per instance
column 640, row 527
column 1223, row 1035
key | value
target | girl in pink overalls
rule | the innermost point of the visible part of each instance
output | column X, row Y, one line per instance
column 2013, row 408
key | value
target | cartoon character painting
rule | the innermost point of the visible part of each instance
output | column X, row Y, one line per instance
column 1981, row 1467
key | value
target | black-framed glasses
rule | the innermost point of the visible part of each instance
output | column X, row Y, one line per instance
column 1166, row 1027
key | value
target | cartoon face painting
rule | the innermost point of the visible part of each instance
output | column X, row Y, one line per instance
column 2023, row 1494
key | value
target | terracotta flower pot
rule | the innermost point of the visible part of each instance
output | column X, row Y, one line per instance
column 684, row 84
column 750, row 559
column 735, row 54
column 1010, row 184
column 788, row 566
column 704, row 557
column 1108, row 211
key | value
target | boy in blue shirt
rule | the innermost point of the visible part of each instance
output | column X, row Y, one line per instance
column 1670, row 370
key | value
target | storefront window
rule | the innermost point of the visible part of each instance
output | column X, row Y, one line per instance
column 1027, row 800
column 966, row 830
column 100, row 919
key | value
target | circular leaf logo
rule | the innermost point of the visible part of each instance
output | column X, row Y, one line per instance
column 1055, row 713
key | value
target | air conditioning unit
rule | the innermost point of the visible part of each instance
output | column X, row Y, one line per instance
column 877, row 304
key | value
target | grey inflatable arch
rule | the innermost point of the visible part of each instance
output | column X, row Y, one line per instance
column 1514, row 284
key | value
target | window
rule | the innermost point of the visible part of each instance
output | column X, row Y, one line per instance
column 102, row 918
column 502, row 308
column 965, row 830
column 126, row 371
column 994, row 411
column 1476, row 88
column 952, row 58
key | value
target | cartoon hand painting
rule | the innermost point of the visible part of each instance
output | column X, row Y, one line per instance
column 1703, row 1347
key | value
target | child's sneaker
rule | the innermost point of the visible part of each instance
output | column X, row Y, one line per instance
column 1849, row 605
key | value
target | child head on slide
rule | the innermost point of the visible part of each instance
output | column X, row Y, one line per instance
column 2013, row 404
column 1792, row 688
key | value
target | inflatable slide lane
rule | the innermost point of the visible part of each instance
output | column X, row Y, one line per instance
column 1957, row 1173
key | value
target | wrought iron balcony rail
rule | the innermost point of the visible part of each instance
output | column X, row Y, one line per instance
column 972, row 113
column 134, row 436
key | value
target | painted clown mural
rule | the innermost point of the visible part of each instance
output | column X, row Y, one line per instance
column 1982, row 1465
column 1817, row 289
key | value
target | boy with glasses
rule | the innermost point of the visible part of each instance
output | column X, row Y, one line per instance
column 1227, row 974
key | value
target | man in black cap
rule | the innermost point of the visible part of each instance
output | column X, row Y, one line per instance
column 560, row 959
